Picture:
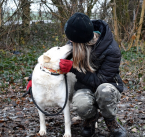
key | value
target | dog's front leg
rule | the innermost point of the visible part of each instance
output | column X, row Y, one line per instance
column 67, row 121
column 42, row 131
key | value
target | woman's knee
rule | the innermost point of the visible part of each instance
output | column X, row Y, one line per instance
column 107, row 98
column 107, row 92
column 84, row 103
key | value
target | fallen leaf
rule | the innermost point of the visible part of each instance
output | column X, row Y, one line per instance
column 134, row 130
column 128, row 74
column 125, row 81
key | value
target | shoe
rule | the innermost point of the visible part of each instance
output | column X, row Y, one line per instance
column 115, row 128
column 88, row 127
column 87, row 131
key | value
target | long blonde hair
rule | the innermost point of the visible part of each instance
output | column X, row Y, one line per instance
column 82, row 53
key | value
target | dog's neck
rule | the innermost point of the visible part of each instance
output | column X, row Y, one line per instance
column 47, row 69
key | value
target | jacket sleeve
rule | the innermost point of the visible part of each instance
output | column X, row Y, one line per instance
column 88, row 78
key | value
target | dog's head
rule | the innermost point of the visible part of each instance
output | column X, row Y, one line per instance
column 51, row 58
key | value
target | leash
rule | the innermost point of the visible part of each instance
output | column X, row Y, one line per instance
column 44, row 112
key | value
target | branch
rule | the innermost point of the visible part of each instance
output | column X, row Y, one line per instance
column 60, row 8
column 124, row 28
column 14, row 13
column 53, row 13
column 95, row 1
column 80, row 6
column 90, row 6
column 16, row 4
column 66, row 3
column 60, row 2
column 2, row 3
column 44, row 2
column 134, row 21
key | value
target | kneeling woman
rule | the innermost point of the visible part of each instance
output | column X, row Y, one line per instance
column 96, row 60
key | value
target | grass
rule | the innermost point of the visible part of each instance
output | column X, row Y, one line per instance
column 132, row 68
column 14, row 68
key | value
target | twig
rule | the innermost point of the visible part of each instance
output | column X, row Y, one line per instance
column 134, row 21
column 123, row 46
column 52, row 11
column 2, row 3
column 14, row 13
column 8, row 35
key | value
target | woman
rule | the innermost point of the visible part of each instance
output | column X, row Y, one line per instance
column 96, row 60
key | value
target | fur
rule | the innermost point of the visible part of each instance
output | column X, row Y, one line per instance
column 50, row 90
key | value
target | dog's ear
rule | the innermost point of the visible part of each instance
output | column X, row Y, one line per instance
column 46, row 59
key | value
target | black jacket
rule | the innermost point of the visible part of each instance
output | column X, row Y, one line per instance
column 106, row 57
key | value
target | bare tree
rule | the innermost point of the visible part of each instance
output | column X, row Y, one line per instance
column 115, row 22
column 103, row 10
column 90, row 5
column 1, row 4
column 67, row 8
column 140, row 23
column 25, row 5
column 126, row 11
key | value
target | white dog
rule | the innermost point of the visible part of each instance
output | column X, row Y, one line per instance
column 50, row 90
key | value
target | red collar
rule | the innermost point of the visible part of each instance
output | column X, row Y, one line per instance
column 58, row 71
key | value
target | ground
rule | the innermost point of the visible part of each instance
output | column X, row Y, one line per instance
column 19, row 117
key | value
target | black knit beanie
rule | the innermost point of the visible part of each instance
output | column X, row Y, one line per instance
column 79, row 28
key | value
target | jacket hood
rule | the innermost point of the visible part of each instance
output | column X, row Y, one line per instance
column 105, row 38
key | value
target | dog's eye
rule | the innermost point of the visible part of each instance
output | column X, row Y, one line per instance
column 58, row 48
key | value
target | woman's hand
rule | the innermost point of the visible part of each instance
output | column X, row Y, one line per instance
column 65, row 65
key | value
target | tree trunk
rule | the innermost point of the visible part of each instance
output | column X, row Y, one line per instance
column 90, row 6
column 124, row 13
column 62, row 13
column 115, row 22
column 67, row 8
column 80, row 6
column 1, row 4
column 0, row 16
column 25, row 33
column 140, row 24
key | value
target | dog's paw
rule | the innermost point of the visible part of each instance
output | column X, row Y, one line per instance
column 42, row 132
column 96, row 125
column 67, row 135
column 75, row 119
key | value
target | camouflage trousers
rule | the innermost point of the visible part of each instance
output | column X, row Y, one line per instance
column 106, row 98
